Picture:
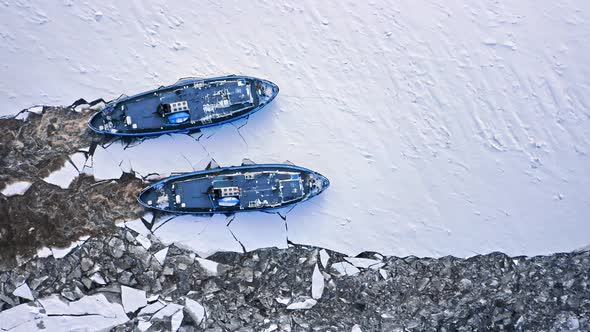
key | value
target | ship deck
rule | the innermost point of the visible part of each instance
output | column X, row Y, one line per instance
column 207, row 103
column 256, row 189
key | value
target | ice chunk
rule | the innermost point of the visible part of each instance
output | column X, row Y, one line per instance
column 356, row 328
column 383, row 274
column 63, row 176
column 16, row 188
column 195, row 310
column 132, row 298
column 324, row 258
column 138, row 225
column 208, row 265
column 62, row 252
column 151, row 309
column 144, row 241
column 36, row 109
column 143, row 325
column 23, row 115
column 345, row 268
column 44, row 252
column 317, row 283
column 161, row 255
column 176, row 320
column 81, row 107
column 365, row 263
column 105, row 166
column 303, row 305
column 98, row 279
column 24, row 291
column 167, row 311
column 283, row 300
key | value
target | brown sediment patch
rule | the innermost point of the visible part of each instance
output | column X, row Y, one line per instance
column 47, row 215
column 38, row 146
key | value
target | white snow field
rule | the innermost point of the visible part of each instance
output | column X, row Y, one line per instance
column 445, row 127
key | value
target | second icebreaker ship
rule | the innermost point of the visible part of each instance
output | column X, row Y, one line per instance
column 234, row 189
column 188, row 105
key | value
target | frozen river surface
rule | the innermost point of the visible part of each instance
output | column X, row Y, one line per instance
column 445, row 127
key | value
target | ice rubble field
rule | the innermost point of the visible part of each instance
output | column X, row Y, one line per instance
column 445, row 127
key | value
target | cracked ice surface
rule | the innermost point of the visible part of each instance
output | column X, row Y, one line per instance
column 164, row 155
column 440, row 136
column 90, row 313
column 255, row 230
column 203, row 235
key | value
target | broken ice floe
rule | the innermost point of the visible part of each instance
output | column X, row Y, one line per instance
column 44, row 252
column 81, row 105
column 143, row 325
column 24, row 114
column 98, row 279
column 90, row 313
column 132, row 298
column 317, row 283
column 144, row 241
column 104, row 166
column 161, row 255
column 302, row 305
column 324, row 258
column 345, row 268
column 151, row 309
column 195, row 310
column 16, row 188
column 209, row 266
column 176, row 320
column 61, row 252
column 356, row 328
column 138, row 224
column 64, row 176
column 168, row 311
column 24, row 291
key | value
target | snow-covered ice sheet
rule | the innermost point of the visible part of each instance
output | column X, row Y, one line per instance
column 444, row 127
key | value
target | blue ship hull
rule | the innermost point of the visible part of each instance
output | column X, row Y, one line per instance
column 234, row 189
column 188, row 105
